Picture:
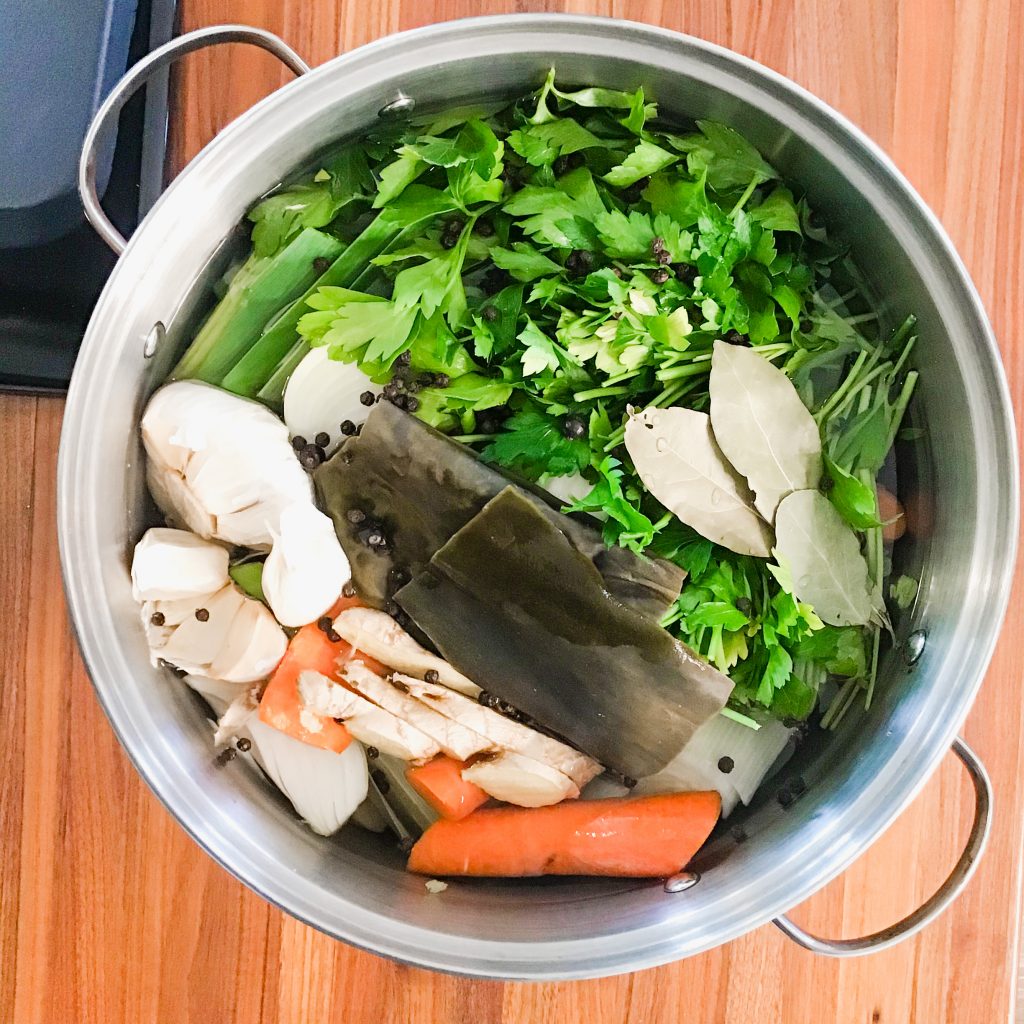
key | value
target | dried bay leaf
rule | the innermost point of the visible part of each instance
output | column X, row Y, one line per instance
column 762, row 426
column 676, row 457
column 825, row 561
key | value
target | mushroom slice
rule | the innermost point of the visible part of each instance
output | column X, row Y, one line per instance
column 454, row 739
column 368, row 723
column 503, row 733
column 172, row 564
column 377, row 634
column 520, row 780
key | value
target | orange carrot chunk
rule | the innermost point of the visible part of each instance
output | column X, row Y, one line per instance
column 310, row 648
column 441, row 784
column 632, row 837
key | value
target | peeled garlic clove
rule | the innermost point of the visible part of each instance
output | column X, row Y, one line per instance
column 197, row 641
column 254, row 645
column 306, row 568
column 237, row 715
column 172, row 564
column 216, row 692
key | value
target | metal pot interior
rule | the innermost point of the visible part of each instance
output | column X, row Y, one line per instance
column 959, row 483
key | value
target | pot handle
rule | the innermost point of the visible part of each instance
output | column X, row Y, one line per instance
column 940, row 899
column 107, row 114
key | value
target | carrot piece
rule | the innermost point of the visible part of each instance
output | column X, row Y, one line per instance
column 310, row 648
column 441, row 784
column 633, row 837
column 890, row 511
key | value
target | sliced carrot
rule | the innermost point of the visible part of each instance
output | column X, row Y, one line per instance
column 633, row 837
column 441, row 784
column 310, row 648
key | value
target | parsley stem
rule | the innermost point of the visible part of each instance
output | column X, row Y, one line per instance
column 840, row 392
column 736, row 716
column 603, row 392
column 900, row 408
column 747, row 193
column 471, row 438
column 698, row 366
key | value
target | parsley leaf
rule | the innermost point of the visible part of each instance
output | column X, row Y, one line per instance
column 541, row 144
column 533, row 444
column 645, row 160
column 524, row 262
column 723, row 156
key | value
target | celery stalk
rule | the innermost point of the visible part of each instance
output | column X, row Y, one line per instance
column 257, row 293
column 395, row 223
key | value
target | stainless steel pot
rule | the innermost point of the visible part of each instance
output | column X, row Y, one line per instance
column 858, row 780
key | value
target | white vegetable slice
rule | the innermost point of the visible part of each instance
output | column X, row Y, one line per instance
column 677, row 459
column 503, row 732
column 236, row 717
column 325, row 788
column 520, row 780
column 454, row 739
column 377, row 634
column 306, row 568
column 172, row 564
column 365, row 721
column 216, row 692
column 321, row 394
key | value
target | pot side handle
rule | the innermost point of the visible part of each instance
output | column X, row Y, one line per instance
column 109, row 110
column 940, row 899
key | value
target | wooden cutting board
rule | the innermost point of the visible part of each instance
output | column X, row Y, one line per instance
column 109, row 913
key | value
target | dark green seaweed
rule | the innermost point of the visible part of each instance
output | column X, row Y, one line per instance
column 515, row 606
column 420, row 487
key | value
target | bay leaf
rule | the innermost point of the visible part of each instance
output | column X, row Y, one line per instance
column 762, row 426
column 676, row 457
column 825, row 561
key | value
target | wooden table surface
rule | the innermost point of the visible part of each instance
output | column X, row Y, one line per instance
column 108, row 913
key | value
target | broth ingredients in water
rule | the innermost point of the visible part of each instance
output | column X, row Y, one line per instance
column 459, row 318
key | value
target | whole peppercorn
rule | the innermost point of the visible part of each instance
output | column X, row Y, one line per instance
column 659, row 276
column 579, row 262
column 685, row 272
column 202, row 615
column 574, row 428
column 733, row 337
column 322, row 440
column 490, row 313
column 348, row 428
column 367, row 398
column 484, row 228
column 299, row 442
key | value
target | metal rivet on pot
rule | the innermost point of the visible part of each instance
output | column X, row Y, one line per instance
column 914, row 647
column 401, row 104
column 682, row 881
column 157, row 333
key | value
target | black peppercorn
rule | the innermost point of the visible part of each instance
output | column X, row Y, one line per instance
column 309, row 459
column 372, row 753
column 404, row 358
column 412, row 404
column 726, row 764
column 745, row 605
column 490, row 313
column 579, row 262
column 484, row 228
column 355, row 516
column 348, row 428
column 733, row 337
column 349, row 589
column 243, row 744
column 324, row 624
column 441, row 380
column 660, row 276
column 432, row 675
column 322, row 440
column 157, row 619
column 298, row 442
column 367, row 398
column 685, row 272
column 574, row 428
column 202, row 615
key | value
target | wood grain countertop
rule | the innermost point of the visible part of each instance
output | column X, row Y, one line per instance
column 109, row 913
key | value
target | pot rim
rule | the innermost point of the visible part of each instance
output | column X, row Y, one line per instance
column 866, row 815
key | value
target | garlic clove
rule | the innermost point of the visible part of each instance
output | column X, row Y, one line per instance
column 172, row 564
column 216, row 692
column 176, row 501
column 195, row 644
column 306, row 568
column 254, row 645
